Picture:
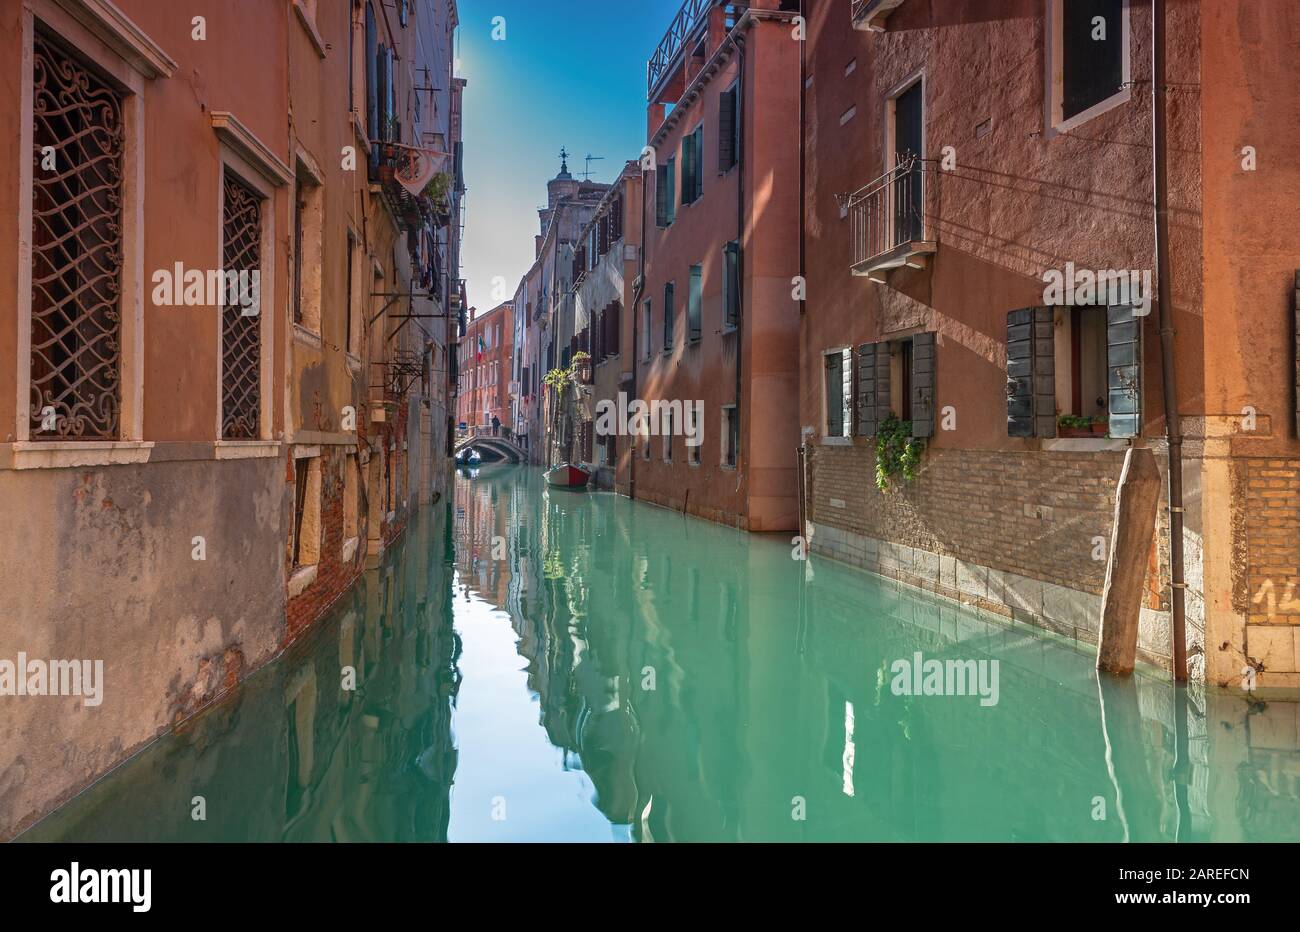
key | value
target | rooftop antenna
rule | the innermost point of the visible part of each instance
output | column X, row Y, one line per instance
column 586, row 176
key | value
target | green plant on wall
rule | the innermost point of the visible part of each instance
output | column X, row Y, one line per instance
column 437, row 189
column 564, row 383
column 897, row 451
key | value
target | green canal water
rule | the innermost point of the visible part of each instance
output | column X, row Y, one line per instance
column 544, row 665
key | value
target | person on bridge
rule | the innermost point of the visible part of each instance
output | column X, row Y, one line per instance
column 496, row 425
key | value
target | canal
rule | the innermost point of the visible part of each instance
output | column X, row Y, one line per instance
column 543, row 665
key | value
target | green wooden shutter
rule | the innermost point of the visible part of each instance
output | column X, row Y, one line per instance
column 697, row 170
column 1124, row 365
column 661, row 196
column 834, row 395
column 672, row 189
column 726, row 130
column 1031, row 373
column 923, row 359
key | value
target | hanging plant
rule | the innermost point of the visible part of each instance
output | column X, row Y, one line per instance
column 897, row 451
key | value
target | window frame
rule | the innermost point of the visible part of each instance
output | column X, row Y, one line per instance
column 847, row 400
column 1054, row 65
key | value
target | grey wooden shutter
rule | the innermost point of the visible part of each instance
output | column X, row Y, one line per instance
column 697, row 170
column 1031, row 373
column 923, row 358
column 1124, row 375
column 834, row 395
column 873, row 387
column 661, row 196
column 726, row 130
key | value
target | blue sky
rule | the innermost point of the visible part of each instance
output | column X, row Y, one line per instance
column 569, row 73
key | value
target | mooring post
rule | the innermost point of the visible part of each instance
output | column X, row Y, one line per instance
column 1136, row 502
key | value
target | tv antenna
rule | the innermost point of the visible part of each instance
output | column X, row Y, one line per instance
column 586, row 175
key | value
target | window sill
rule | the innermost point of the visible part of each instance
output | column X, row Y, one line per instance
column 730, row 328
column 729, row 468
column 350, row 548
column 1096, row 110
column 312, row 33
column 306, row 336
column 1085, row 444
column 837, row 441
column 65, row 454
column 302, row 577
column 245, row 449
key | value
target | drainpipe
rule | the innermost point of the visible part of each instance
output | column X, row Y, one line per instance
column 740, row 229
column 636, row 341
column 1173, row 427
column 803, row 254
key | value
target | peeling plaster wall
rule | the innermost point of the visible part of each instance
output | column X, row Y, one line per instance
column 107, row 573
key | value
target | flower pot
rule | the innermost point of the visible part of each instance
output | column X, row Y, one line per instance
column 1096, row 429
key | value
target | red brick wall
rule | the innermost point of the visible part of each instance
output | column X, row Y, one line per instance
column 1272, row 531
column 1034, row 514
column 333, row 576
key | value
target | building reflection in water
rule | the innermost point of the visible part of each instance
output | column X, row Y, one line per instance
column 707, row 685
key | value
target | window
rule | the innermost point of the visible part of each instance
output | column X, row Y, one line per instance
column 668, row 426
column 731, row 283
column 645, row 449
column 308, row 221
column 896, row 377
column 839, row 392
column 693, row 433
column 351, row 496
column 695, row 300
column 669, row 312
column 647, row 312
column 1091, row 66
column 349, row 336
column 730, row 435
column 1081, row 363
column 1088, row 61
column 661, row 196
column 907, row 141
column 728, row 129
column 692, row 176
column 241, row 333
column 306, row 511
column 672, row 187
column 77, row 246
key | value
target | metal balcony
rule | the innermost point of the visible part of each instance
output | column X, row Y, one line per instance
column 871, row 14
column 888, row 222
column 683, row 29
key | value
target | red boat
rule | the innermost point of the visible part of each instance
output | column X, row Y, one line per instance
column 568, row 476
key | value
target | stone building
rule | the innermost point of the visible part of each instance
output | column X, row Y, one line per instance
column 958, row 167
column 218, row 413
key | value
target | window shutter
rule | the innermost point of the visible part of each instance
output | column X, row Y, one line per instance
column 661, row 196
column 688, row 169
column 834, row 392
column 726, row 130
column 671, row 200
column 1124, row 362
column 1031, row 373
column 697, row 163
column 616, row 218
column 616, row 330
column 669, row 310
column 372, row 74
column 873, row 387
column 923, row 359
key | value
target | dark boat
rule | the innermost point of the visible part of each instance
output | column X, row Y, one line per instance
column 568, row 476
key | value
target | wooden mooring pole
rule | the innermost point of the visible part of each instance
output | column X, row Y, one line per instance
column 1136, row 503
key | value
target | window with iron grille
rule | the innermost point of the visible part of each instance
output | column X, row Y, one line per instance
column 76, row 250
column 241, row 332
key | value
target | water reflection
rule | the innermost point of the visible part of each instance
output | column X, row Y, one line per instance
column 614, row 670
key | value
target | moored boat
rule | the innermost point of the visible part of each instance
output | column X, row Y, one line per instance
column 568, row 476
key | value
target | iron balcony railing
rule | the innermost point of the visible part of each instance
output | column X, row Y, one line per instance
column 889, row 212
column 684, row 24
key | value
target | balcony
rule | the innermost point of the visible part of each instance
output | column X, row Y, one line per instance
column 870, row 15
column 888, row 221
column 664, row 77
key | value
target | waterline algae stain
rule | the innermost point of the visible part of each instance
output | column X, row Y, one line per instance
column 616, row 672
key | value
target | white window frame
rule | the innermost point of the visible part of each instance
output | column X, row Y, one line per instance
column 105, row 38
column 1054, row 44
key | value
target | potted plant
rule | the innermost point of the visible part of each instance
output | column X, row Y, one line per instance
column 1073, row 425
